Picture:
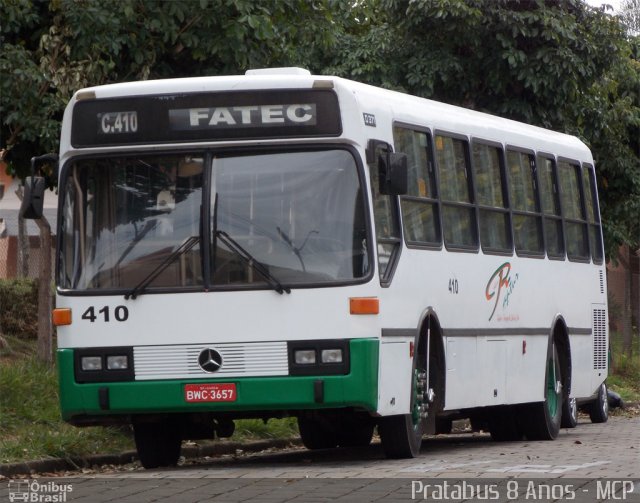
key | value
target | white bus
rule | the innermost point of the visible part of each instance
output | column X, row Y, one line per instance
column 282, row 244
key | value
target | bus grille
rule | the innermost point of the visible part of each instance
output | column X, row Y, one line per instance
column 599, row 339
column 238, row 360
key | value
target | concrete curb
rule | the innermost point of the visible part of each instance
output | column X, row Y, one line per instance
column 77, row 463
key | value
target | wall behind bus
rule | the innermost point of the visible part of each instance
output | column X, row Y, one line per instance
column 628, row 259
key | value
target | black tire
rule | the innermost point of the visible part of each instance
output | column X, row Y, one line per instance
column 542, row 420
column 444, row 425
column 401, row 438
column 401, row 435
column 355, row 431
column 158, row 443
column 599, row 408
column 317, row 432
column 503, row 424
column 569, row 413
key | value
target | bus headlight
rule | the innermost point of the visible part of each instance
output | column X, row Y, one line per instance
column 119, row 362
column 332, row 356
column 319, row 357
column 305, row 356
column 91, row 363
column 108, row 364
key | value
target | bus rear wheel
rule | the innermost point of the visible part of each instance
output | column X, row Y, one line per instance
column 569, row 413
column 158, row 443
column 599, row 408
column 543, row 419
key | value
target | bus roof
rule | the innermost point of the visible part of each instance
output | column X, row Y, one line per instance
column 398, row 106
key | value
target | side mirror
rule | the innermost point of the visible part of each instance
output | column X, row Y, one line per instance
column 34, row 187
column 33, row 200
column 392, row 173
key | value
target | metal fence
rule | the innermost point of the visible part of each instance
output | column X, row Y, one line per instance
column 13, row 264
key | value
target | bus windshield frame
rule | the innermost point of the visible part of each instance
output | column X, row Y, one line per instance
column 301, row 214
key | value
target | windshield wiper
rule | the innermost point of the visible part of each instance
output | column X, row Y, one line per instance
column 189, row 243
column 293, row 247
column 258, row 266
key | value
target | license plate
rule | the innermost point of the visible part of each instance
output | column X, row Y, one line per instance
column 222, row 392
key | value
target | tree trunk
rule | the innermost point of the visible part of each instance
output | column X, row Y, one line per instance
column 45, row 349
column 627, row 332
column 23, row 242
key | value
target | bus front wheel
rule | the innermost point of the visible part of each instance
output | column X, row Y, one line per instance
column 401, row 435
column 158, row 443
column 317, row 432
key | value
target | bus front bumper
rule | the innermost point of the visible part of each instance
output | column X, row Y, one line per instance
column 104, row 402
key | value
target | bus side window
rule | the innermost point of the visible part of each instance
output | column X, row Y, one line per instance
column 495, row 226
column 527, row 221
column 593, row 215
column 385, row 214
column 420, row 210
column 550, row 198
column 575, row 223
column 458, row 209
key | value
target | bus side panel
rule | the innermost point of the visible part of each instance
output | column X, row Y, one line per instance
column 395, row 376
column 485, row 371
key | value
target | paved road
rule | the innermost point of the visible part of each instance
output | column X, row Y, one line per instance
column 584, row 464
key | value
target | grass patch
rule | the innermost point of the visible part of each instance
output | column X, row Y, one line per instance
column 30, row 423
column 256, row 429
column 624, row 377
column 30, row 417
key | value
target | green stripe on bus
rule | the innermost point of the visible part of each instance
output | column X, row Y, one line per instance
column 359, row 388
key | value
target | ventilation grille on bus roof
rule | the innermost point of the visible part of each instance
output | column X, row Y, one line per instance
column 600, row 339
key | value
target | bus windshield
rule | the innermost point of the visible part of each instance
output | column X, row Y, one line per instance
column 297, row 216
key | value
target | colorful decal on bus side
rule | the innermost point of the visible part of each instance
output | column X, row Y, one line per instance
column 500, row 280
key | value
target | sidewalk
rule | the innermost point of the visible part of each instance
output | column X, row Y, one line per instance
column 211, row 449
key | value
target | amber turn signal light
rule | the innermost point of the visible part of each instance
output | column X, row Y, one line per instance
column 61, row 316
column 364, row 305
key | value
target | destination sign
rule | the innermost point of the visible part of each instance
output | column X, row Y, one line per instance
column 211, row 116
column 186, row 119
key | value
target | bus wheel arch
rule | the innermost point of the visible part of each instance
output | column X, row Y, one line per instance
column 401, row 435
column 437, row 374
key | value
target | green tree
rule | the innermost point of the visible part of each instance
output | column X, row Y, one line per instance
column 559, row 65
column 49, row 50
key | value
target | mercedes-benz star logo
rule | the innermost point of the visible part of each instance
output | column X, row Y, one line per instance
column 210, row 360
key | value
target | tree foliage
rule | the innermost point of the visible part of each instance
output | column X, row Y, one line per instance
column 555, row 63
column 49, row 50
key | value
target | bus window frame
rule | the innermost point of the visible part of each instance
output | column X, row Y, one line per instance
column 471, row 188
column 505, row 194
column 395, row 213
column 538, row 214
column 591, row 170
column 560, row 217
column 583, row 208
column 436, row 202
